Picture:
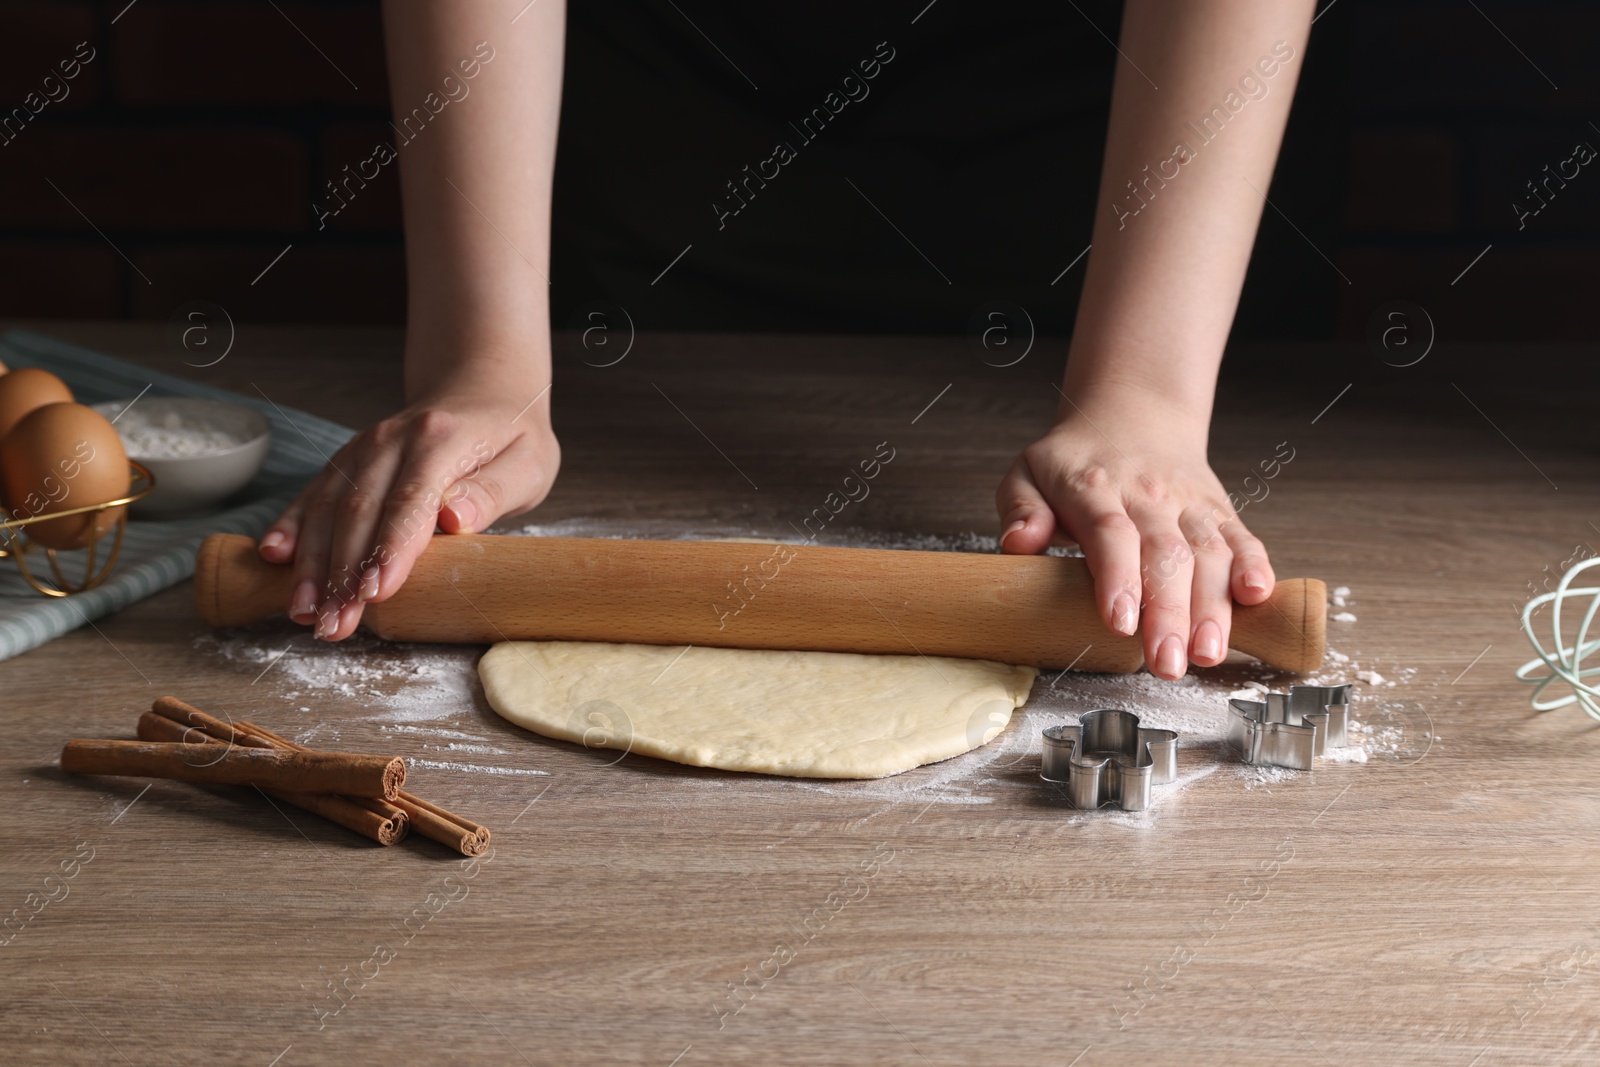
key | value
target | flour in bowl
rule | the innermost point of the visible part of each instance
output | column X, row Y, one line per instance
column 168, row 428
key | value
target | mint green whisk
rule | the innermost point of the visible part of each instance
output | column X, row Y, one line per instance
column 1564, row 661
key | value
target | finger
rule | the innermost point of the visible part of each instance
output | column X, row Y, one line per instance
column 345, row 622
column 512, row 481
column 351, row 564
column 436, row 458
column 310, row 569
column 277, row 543
column 1167, row 564
column 1097, row 520
column 1210, row 602
column 308, row 583
column 1252, row 574
column 1026, row 520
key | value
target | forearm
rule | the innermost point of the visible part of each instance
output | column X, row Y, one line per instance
column 1181, row 196
column 476, row 175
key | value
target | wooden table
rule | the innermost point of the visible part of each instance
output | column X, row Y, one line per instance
column 1437, row 907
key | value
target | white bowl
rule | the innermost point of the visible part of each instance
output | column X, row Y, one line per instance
column 196, row 473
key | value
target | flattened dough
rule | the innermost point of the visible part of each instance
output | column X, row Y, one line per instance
column 802, row 714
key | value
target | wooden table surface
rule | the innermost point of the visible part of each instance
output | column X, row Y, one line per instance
column 1435, row 905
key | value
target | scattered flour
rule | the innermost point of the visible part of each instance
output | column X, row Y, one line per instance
column 434, row 731
column 1195, row 706
column 1258, row 777
column 1344, row 616
column 396, row 683
column 471, row 768
column 1400, row 739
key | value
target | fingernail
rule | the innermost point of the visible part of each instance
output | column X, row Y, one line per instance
column 1253, row 580
column 275, row 539
column 350, row 615
column 1124, row 614
column 1013, row 528
column 1169, row 657
column 327, row 620
column 466, row 514
column 369, row 582
column 1208, row 641
column 304, row 601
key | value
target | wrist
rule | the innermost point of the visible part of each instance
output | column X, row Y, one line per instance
column 477, row 362
column 1139, row 383
column 1113, row 402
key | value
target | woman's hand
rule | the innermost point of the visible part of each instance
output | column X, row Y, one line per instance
column 459, row 461
column 1123, row 472
column 474, row 442
column 1154, row 523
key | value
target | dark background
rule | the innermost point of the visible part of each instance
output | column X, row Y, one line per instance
column 201, row 134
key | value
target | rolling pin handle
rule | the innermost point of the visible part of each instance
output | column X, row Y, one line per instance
column 1288, row 629
column 234, row 586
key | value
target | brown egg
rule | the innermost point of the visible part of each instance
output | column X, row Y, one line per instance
column 63, row 456
column 25, row 389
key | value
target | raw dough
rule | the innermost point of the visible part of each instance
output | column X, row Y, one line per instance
column 803, row 714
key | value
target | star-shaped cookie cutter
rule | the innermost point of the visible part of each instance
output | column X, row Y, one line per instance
column 1290, row 729
column 1108, row 758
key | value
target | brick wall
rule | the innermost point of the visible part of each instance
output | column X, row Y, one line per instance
column 194, row 141
column 183, row 157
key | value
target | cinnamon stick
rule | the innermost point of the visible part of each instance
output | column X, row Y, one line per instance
column 429, row 820
column 190, row 716
column 301, row 772
column 191, row 720
column 375, row 822
column 463, row 835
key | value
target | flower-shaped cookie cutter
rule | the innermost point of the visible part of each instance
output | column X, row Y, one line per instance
column 1290, row 729
column 1108, row 758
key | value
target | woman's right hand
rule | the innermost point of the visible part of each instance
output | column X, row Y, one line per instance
column 474, row 442
column 458, row 461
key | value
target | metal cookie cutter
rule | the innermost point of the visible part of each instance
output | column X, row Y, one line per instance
column 1109, row 758
column 1290, row 729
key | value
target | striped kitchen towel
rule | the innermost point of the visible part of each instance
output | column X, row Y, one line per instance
column 154, row 554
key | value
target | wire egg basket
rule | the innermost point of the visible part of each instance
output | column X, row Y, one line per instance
column 16, row 544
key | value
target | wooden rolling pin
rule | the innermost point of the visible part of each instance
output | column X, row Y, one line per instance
column 476, row 589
